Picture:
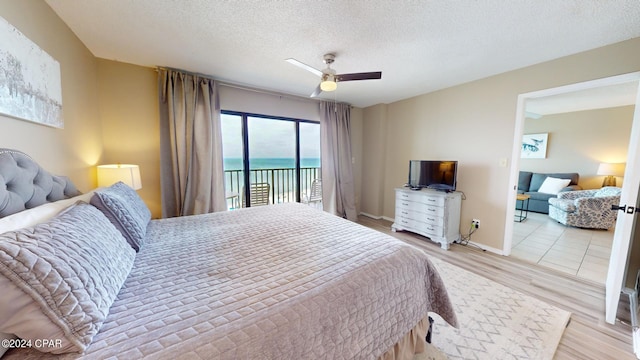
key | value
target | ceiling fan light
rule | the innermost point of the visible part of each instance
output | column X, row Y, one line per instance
column 328, row 83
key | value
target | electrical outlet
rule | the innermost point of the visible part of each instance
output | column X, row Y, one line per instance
column 475, row 223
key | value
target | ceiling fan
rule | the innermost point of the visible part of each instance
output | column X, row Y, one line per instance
column 328, row 76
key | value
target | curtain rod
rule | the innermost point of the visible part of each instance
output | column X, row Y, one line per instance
column 249, row 88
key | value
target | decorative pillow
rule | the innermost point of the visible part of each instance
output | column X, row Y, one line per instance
column 40, row 213
column 60, row 278
column 126, row 210
column 553, row 185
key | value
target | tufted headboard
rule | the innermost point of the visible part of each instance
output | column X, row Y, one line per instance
column 24, row 184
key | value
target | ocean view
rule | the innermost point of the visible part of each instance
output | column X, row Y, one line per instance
column 278, row 172
column 270, row 163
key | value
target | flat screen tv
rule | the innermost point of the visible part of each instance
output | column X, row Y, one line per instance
column 433, row 174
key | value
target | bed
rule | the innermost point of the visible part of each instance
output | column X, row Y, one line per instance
column 282, row 281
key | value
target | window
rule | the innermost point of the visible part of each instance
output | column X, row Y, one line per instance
column 268, row 160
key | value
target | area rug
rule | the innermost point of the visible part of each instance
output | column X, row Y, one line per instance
column 496, row 322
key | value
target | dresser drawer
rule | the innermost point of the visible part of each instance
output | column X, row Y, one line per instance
column 431, row 200
column 411, row 206
column 433, row 210
column 431, row 219
column 421, row 198
column 419, row 226
column 431, row 229
column 404, row 222
column 429, row 215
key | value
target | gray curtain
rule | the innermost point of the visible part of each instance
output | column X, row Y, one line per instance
column 338, row 191
column 191, row 166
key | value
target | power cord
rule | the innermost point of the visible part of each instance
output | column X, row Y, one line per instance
column 464, row 239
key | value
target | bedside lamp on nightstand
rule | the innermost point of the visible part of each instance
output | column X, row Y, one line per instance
column 112, row 173
column 610, row 170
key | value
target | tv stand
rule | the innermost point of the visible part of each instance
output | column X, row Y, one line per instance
column 431, row 213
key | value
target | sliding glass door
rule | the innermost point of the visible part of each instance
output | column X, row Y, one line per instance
column 272, row 159
column 268, row 160
column 309, row 156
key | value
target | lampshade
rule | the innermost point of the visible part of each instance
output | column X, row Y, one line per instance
column 328, row 83
column 611, row 169
column 112, row 173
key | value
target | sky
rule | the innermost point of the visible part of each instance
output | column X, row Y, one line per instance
column 269, row 138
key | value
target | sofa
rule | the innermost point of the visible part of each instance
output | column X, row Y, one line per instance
column 586, row 208
column 530, row 182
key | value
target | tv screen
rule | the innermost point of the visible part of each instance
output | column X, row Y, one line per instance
column 433, row 174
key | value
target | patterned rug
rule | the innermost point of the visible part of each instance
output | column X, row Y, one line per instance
column 496, row 322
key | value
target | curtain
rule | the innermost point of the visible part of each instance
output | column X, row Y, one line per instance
column 191, row 165
column 338, row 192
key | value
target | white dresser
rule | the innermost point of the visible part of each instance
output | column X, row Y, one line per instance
column 434, row 214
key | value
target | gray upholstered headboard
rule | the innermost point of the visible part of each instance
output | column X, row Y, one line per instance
column 24, row 184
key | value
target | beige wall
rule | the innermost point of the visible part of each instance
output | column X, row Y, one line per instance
column 474, row 123
column 74, row 150
column 130, row 123
column 580, row 141
column 373, row 164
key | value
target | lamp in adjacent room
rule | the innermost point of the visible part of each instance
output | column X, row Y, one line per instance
column 610, row 171
column 112, row 173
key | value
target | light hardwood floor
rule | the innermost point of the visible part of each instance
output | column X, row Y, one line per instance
column 588, row 336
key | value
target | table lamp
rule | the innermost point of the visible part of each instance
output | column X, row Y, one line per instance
column 610, row 171
column 112, row 173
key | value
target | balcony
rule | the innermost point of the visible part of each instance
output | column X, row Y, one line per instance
column 282, row 183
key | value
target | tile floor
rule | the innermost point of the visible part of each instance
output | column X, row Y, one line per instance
column 581, row 252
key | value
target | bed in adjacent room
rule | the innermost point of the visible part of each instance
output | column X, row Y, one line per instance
column 98, row 279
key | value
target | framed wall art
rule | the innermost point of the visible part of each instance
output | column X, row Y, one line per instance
column 30, row 82
column 534, row 146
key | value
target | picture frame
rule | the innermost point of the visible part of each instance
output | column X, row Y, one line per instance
column 534, row 146
column 30, row 80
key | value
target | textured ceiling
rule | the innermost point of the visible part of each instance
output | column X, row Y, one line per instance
column 420, row 46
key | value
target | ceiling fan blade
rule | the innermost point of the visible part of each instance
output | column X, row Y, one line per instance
column 316, row 92
column 304, row 66
column 360, row 76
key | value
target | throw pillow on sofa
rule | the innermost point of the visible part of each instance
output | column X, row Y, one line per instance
column 553, row 185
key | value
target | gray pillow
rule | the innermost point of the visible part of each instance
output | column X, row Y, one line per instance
column 61, row 277
column 126, row 210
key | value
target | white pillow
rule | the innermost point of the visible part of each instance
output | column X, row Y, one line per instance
column 553, row 185
column 42, row 213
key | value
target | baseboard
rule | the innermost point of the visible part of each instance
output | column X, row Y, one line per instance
column 481, row 246
column 375, row 217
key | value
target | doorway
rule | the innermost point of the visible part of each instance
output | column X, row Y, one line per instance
column 579, row 141
column 622, row 234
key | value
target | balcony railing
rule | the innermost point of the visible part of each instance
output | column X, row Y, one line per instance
column 282, row 181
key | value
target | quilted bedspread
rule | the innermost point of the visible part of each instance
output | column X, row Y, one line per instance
column 274, row 282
